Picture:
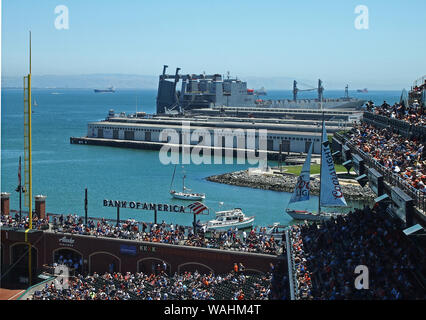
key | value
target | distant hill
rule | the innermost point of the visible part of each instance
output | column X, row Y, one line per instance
column 123, row 81
column 134, row 81
column 128, row 81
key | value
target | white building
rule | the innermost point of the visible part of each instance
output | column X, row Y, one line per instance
column 245, row 137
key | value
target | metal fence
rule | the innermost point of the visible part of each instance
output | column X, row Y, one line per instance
column 294, row 290
column 419, row 81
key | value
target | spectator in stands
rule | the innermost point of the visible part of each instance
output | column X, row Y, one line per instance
column 406, row 158
column 174, row 234
column 117, row 286
column 24, row 222
column 328, row 255
column 414, row 114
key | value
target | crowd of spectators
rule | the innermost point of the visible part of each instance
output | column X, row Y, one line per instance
column 232, row 239
column 74, row 263
column 301, row 272
column 329, row 253
column 414, row 114
column 255, row 240
column 420, row 88
column 140, row 286
column 23, row 222
column 405, row 157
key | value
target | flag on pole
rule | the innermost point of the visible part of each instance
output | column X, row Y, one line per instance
column 197, row 207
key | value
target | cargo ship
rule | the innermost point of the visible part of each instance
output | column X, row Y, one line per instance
column 108, row 90
column 260, row 92
column 215, row 91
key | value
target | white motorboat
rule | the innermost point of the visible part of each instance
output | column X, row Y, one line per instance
column 228, row 219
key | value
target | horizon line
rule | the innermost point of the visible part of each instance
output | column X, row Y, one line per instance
column 149, row 88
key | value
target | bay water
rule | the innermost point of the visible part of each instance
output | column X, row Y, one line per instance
column 62, row 171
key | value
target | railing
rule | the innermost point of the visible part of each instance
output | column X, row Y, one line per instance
column 342, row 137
column 30, row 291
column 419, row 81
column 291, row 268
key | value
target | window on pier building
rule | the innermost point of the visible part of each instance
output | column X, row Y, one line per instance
column 285, row 145
column 307, row 146
column 270, row 144
column 129, row 135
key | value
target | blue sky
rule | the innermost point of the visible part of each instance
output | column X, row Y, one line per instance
column 298, row 39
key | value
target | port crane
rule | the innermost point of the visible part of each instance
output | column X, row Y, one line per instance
column 320, row 90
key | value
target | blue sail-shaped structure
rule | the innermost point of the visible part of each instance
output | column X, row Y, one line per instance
column 331, row 192
column 302, row 189
column 404, row 98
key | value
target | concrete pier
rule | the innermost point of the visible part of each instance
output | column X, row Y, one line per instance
column 150, row 145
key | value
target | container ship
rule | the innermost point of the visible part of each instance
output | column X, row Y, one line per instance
column 108, row 90
column 213, row 91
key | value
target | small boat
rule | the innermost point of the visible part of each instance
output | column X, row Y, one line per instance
column 330, row 191
column 306, row 215
column 108, row 90
column 276, row 230
column 228, row 219
column 185, row 194
column 260, row 92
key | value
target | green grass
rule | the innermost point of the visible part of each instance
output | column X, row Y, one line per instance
column 315, row 169
column 343, row 132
